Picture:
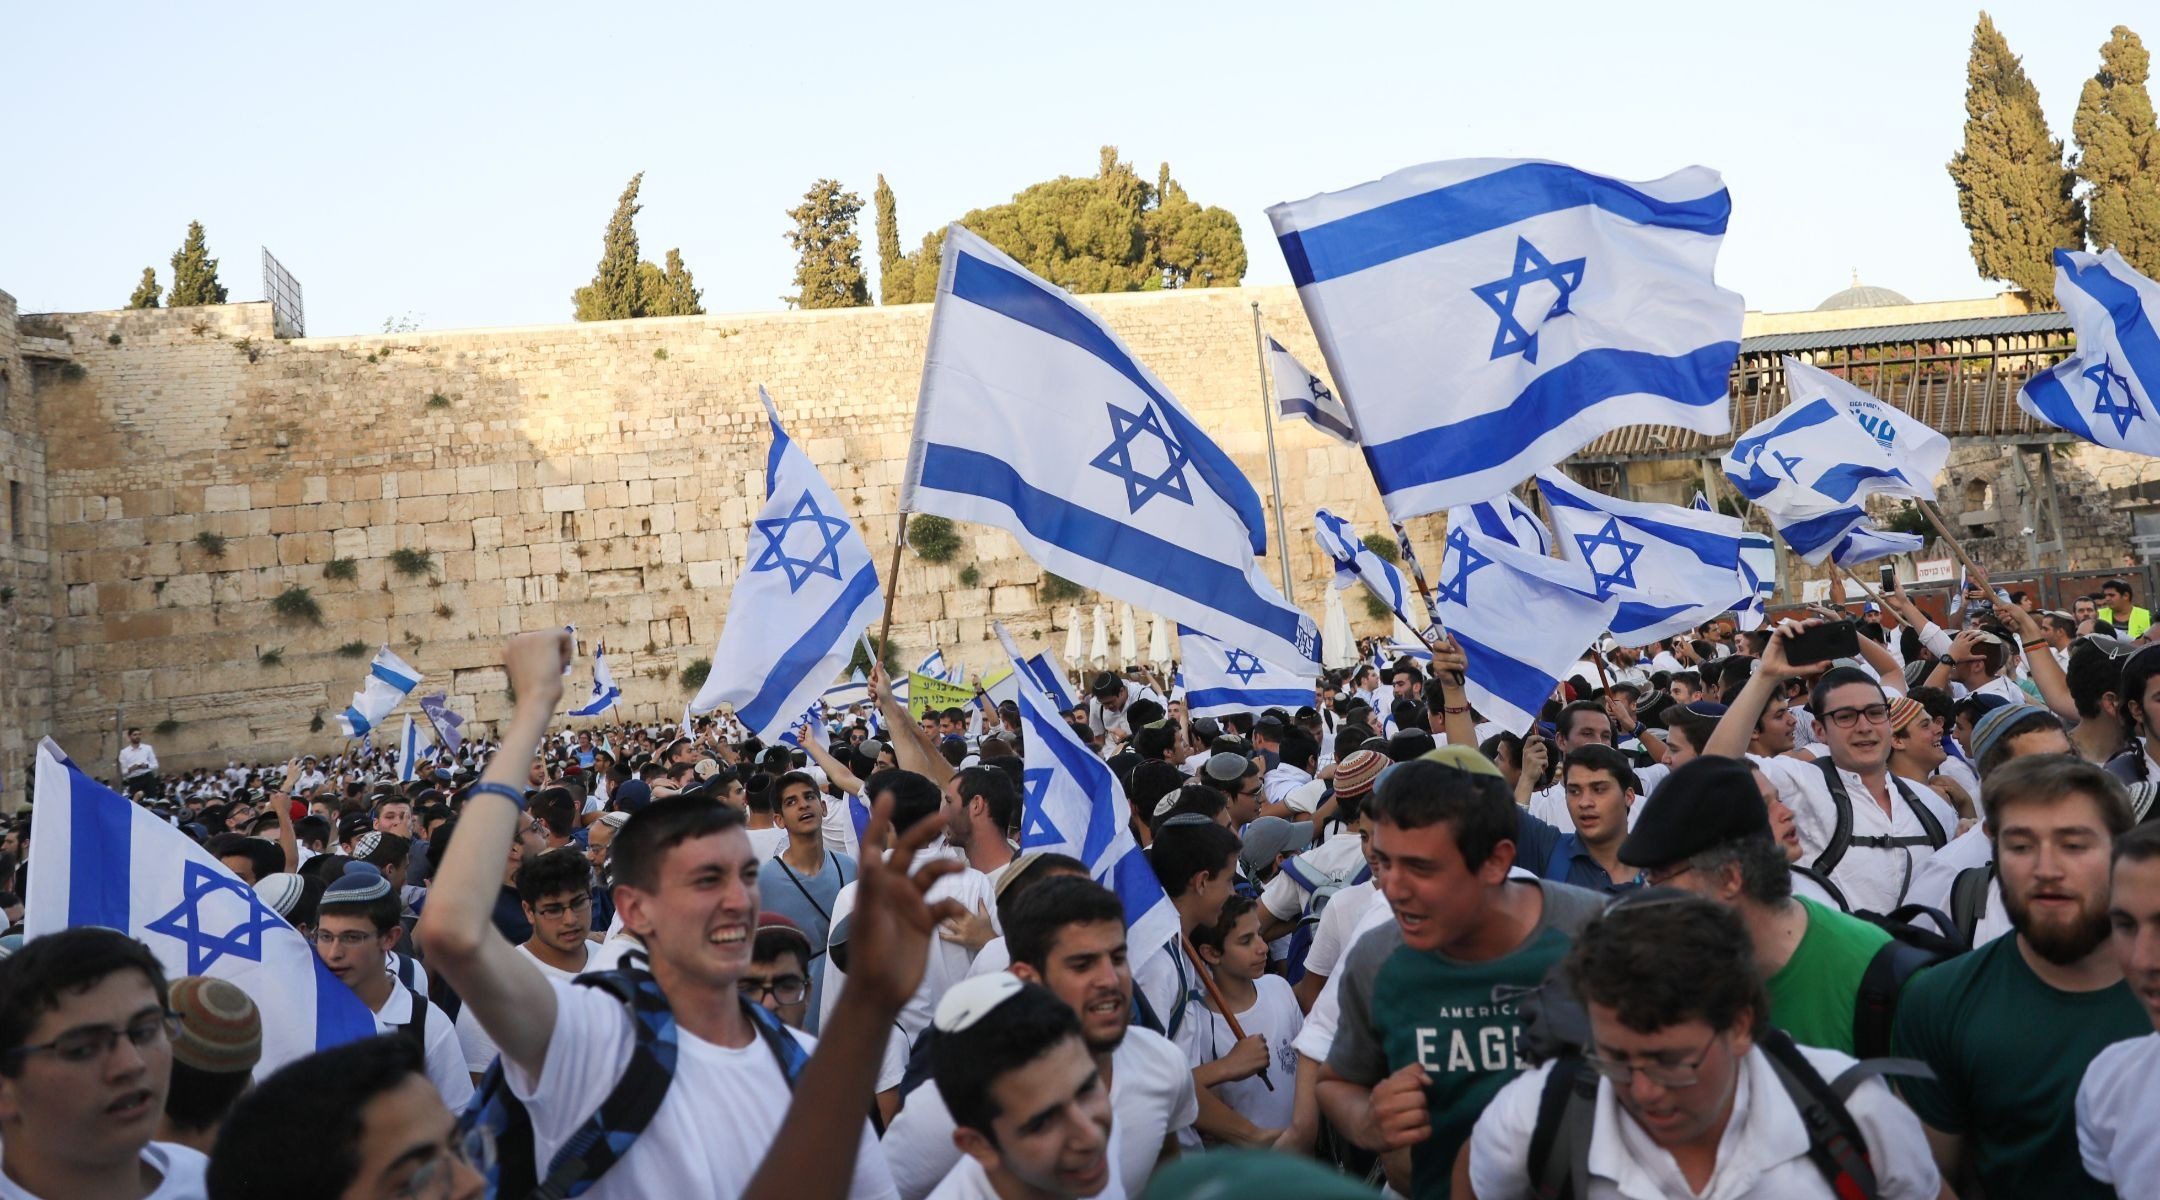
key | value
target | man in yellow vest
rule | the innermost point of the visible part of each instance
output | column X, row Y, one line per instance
column 2115, row 594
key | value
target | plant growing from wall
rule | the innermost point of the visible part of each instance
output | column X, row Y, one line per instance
column 860, row 660
column 969, row 576
column 274, row 657
column 212, row 544
column 693, row 676
column 353, row 649
column 1376, row 608
column 1384, row 546
column 296, row 603
column 341, row 568
column 1054, row 588
column 438, row 400
column 168, row 725
column 407, row 561
column 934, row 538
column 315, row 723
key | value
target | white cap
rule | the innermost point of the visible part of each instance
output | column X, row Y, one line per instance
column 970, row 1000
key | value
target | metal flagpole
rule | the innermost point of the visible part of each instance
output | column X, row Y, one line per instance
column 1267, row 412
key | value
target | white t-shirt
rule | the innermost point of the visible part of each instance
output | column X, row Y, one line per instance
column 479, row 1049
column 180, row 1168
column 1170, row 981
column 1873, row 880
column 1151, row 1097
column 767, row 842
column 445, row 1060
column 966, row 1181
column 1317, row 1036
column 1275, row 1016
column 949, row 961
column 1341, row 915
column 2118, row 1124
column 1764, row 1150
column 721, row 1114
column 994, row 956
column 1339, row 857
column 1932, row 882
column 839, row 826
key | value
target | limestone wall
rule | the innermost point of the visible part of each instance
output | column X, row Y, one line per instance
column 601, row 475
column 26, row 635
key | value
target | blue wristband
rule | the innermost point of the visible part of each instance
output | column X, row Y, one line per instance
column 504, row 790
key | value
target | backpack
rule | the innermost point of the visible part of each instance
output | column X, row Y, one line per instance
column 1969, row 890
column 1912, row 948
column 415, row 1030
column 609, row 1133
column 1317, row 894
column 1841, row 837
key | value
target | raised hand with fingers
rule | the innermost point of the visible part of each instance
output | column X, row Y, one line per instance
column 894, row 916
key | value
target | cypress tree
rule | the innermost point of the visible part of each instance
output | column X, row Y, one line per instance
column 896, row 276
column 147, row 292
column 616, row 289
column 828, row 267
column 2014, row 193
column 671, row 292
column 2119, row 153
column 194, row 272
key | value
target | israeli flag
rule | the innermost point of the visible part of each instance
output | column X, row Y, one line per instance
column 388, row 681
column 932, row 665
column 842, row 696
column 1300, row 395
column 1865, row 544
column 1049, row 674
column 812, row 724
column 448, row 724
column 1485, row 318
column 1758, row 575
column 1522, row 621
column 1811, row 465
column 1700, row 503
column 1073, row 804
column 1223, row 679
column 1034, row 418
column 807, row 589
column 1671, row 568
column 604, row 694
column 408, row 760
column 1355, row 561
column 2107, row 392
column 1508, row 519
column 96, row 859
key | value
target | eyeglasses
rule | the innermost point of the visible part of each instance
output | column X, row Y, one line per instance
column 79, row 1046
column 784, row 989
column 556, row 912
column 437, row 1177
column 1663, row 1070
column 1846, row 718
column 1661, row 878
column 349, row 939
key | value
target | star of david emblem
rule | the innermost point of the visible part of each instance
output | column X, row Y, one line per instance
column 824, row 560
column 1467, row 561
column 1787, row 462
column 1622, row 576
column 1035, row 826
column 1501, row 295
column 188, row 922
column 1318, row 389
column 1117, row 459
column 1242, row 663
column 2112, row 385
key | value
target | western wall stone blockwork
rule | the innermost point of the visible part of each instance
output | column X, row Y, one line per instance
column 601, row 475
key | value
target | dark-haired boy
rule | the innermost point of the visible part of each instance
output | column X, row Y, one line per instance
column 556, row 893
column 356, row 927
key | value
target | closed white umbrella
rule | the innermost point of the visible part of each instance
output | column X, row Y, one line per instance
column 1099, row 645
column 1072, row 635
column 1128, row 645
column 1158, row 644
column 1338, row 646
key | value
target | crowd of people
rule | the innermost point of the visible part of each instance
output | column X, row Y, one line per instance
column 1735, row 919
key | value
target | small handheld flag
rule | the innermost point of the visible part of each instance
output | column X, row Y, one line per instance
column 389, row 680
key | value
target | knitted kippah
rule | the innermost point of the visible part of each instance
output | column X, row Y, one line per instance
column 360, row 884
column 220, row 1029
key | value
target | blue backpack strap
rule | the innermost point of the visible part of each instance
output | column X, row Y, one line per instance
column 609, row 1133
column 1563, row 852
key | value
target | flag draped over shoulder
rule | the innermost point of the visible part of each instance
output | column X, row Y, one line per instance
column 96, row 859
column 1521, row 619
column 1221, row 679
column 807, row 589
column 2105, row 393
column 1485, row 318
column 1301, row 395
column 389, row 680
column 1811, row 465
column 1671, row 568
column 604, row 694
column 1034, row 418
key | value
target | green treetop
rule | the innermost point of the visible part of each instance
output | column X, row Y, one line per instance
column 828, row 266
column 616, row 289
column 195, row 278
column 2014, row 193
column 2119, row 153
column 670, row 292
column 146, row 292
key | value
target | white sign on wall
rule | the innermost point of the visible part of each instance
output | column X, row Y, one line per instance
column 1935, row 570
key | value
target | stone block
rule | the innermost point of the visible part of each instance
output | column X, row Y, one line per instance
column 564, row 498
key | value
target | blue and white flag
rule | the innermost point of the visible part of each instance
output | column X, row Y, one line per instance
column 1049, row 674
column 1485, row 318
column 1301, row 395
column 1354, row 561
column 1071, row 803
column 1758, row 574
column 843, row 696
column 1864, row 544
column 408, row 759
column 1671, row 568
column 1811, row 465
column 604, row 694
column 96, row 859
column 1521, row 619
column 448, row 724
column 1034, row 418
column 1508, row 519
column 389, row 680
column 572, row 631
column 933, row 665
column 2109, row 391
column 1700, row 503
column 807, row 589
column 1221, row 680
column 812, row 725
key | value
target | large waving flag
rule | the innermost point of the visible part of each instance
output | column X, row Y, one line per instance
column 1036, row 419
column 1354, row 561
column 1222, row 679
column 1073, row 804
column 389, row 680
column 807, row 590
column 1522, row 621
column 1049, row 674
column 1506, row 518
column 448, row 724
column 1485, row 318
column 96, row 859
column 1671, row 568
column 1812, row 464
column 1865, row 543
column 604, row 694
column 1300, row 395
column 2109, row 391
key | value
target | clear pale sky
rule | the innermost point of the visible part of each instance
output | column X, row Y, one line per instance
column 457, row 162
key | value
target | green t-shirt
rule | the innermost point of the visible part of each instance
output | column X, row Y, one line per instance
column 1812, row 997
column 1401, row 1006
column 2008, row 1053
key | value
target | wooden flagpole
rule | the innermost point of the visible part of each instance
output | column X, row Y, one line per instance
column 892, row 590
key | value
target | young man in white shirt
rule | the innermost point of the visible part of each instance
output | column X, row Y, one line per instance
column 1031, row 1111
column 2118, row 1125
column 1263, row 1065
column 85, row 1060
column 1689, row 1103
column 138, row 765
column 357, row 925
column 556, row 891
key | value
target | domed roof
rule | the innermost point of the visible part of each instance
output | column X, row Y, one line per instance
column 1861, row 295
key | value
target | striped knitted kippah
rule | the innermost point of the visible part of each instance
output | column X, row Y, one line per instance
column 220, row 1029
